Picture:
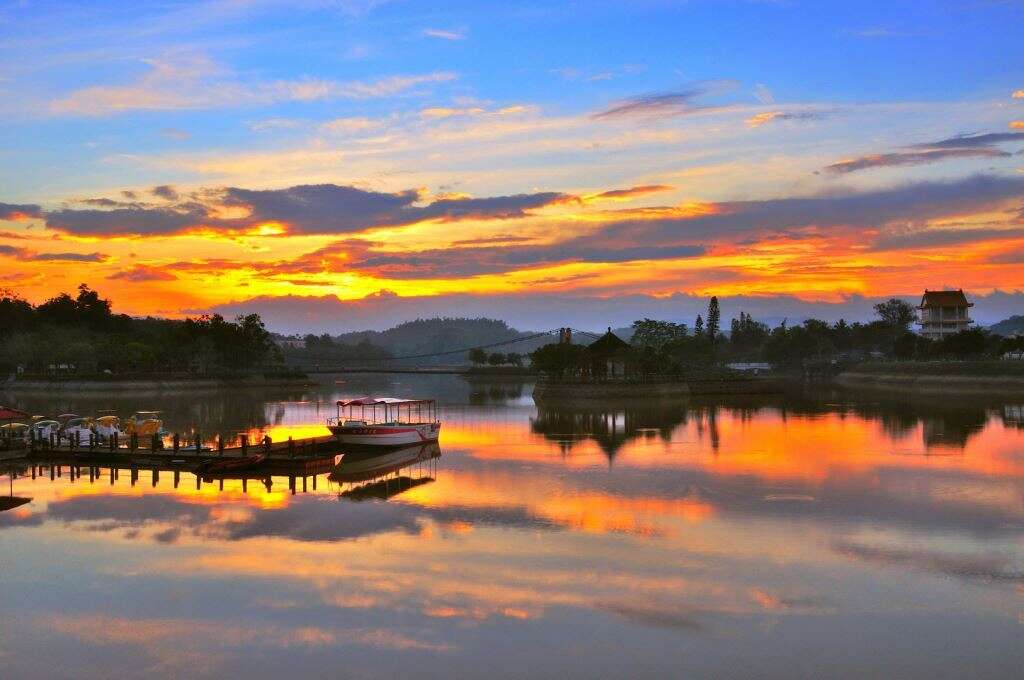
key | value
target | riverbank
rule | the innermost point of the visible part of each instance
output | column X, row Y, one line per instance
column 936, row 377
column 168, row 383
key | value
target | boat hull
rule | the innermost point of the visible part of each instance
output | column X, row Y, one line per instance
column 386, row 435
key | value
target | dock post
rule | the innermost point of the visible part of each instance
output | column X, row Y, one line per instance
column 156, row 476
column 135, row 475
column 291, row 484
column 113, row 441
column 291, row 447
column 245, row 445
column 220, row 445
column 245, row 485
column 199, row 443
column 52, row 439
column 177, row 478
column 176, row 443
column 133, row 442
column 154, row 442
column 303, row 483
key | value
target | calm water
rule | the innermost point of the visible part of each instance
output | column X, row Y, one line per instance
column 811, row 535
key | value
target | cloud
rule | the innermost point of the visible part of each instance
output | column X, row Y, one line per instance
column 473, row 261
column 444, row 34
column 885, row 160
column 308, row 209
column 69, row 257
column 961, row 146
column 765, row 117
column 1017, row 124
column 1019, row 94
column 994, row 567
column 14, row 211
column 910, row 202
column 930, row 238
column 165, row 191
column 973, row 141
column 124, row 221
column 631, row 192
column 140, row 273
column 663, row 104
column 26, row 255
column 194, row 82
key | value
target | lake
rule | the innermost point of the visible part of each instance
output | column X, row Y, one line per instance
column 802, row 535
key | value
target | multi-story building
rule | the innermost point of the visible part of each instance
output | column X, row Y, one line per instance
column 943, row 312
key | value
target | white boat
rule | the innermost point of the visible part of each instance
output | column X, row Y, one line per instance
column 385, row 421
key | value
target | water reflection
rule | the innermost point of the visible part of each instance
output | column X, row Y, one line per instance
column 788, row 534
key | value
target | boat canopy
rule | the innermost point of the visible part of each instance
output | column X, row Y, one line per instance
column 379, row 401
column 8, row 413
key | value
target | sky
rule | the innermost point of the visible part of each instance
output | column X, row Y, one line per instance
column 342, row 164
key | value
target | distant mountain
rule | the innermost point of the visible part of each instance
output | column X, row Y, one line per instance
column 429, row 336
column 1010, row 326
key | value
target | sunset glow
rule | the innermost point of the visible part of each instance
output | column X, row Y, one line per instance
column 206, row 176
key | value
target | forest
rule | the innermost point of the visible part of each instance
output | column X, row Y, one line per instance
column 80, row 334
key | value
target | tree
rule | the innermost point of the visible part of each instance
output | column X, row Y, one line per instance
column 714, row 318
column 698, row 326
column 656, row 334
column 478, row 356
column 514, row 358
column 560, row 359
column 896, row 313
column 495, row 358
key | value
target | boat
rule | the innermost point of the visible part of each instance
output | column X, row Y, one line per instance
column 13, row 435
column 108, row 427
column 40, row 430
column 385, row 421
column 144, row 423
column 355, row 468
column 215, row 466
column 77, row 427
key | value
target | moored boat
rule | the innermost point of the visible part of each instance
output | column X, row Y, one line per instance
column 385, row 421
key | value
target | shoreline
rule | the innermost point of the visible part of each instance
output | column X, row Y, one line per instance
column 181, row 384
column 954, row 377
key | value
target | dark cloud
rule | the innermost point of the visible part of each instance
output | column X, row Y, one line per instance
column 485, row 260
column 1009, row 257
column 870, row 209
column 165, row 191
column 885, row 160
column 658, row 616
column 14, row 211
column 68, row 257
column 973, row 141
column 124, row 221
column 31, row 256
column 992, row 567
column 308, row 209
column 925, row 238
column 663, row 104
column 141, row 273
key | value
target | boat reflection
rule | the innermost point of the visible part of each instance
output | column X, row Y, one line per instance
column 377, row 475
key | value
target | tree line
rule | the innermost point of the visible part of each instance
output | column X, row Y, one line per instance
column 664, row 347
column 81, row 334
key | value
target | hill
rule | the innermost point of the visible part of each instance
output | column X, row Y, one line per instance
column 1007, row 327
column 428, row 336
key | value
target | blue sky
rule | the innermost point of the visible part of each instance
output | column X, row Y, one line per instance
column 678, row 109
